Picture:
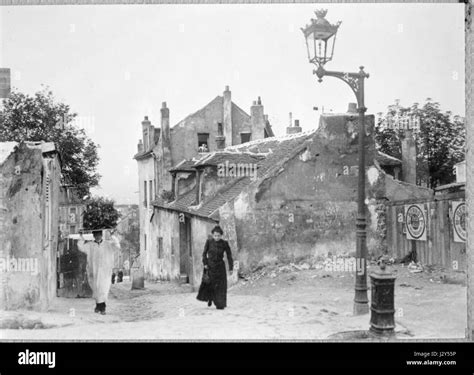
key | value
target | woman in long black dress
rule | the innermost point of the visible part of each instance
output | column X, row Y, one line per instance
column 213, row 260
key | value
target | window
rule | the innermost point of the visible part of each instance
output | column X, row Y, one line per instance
column 160, row 247
column 245, row 137
column 203, row 142
column 150, row 188
column 144, row 242
column 145, row 195
column 72, row 229
column 72, row 210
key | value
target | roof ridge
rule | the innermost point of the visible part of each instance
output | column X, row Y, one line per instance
column 270, row 139
column 270, row 172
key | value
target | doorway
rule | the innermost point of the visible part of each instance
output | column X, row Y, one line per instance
column 185, row 249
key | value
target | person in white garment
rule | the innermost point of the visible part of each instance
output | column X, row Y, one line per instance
column 100, row 262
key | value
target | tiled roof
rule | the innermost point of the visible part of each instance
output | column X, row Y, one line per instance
column 180, row 204
column 224, row 195
column 276, row 151
column 221, row 157
column 186, row 203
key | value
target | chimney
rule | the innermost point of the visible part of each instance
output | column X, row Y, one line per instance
column 352, row 108
column 146, row 129
column 227, row 116
column 165, row 121
column 409, row 157
column 294, row 129
column 151, row 136
column 257, row 120
column 165, row 147
column 140, row 146
column 291, row 120
column 220, row 139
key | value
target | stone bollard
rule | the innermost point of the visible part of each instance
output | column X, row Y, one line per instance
column 138, row 278
column 382, row 319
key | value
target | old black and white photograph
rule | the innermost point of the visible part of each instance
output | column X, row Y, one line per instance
column 235, row 172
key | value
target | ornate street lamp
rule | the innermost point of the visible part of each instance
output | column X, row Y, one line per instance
column 320, row 40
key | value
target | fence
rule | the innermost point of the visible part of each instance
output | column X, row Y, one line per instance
column 435, row 229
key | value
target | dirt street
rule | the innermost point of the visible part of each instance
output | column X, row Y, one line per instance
column 280, row 304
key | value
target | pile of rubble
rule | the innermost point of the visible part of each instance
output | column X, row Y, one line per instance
column 273, row 271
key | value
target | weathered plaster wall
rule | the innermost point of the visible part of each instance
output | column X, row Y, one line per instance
column 310, row 207
column 165, row 224
column 29, row 221
column 184, row 140
column 242, row 120
column 146, row 172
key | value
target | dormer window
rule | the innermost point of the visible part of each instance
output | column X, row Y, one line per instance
column 203, row 142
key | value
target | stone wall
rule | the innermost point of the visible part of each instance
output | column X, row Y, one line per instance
column 29, row 222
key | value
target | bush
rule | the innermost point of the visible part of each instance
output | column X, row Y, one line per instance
column 100, row 213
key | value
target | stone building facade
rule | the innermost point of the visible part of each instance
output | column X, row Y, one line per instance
column 219, row 124
column 277, row 198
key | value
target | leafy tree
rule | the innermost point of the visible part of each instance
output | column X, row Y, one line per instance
column 440, row 140
column 100, row 213
column 129, row 233
column 41, row 118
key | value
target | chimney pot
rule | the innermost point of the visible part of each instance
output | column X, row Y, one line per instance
column 227, row 88
column 163, row 105
column 146, row 118
column 254, row 102
column 259, row 101
column 297, row 122
column 352, row 108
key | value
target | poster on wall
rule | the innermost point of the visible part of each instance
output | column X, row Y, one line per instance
column 416, row 223
column 459, row 221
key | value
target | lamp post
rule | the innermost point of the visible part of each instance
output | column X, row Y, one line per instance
column 320, row 38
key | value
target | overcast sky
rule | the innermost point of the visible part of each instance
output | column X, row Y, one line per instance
column 115, row 64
